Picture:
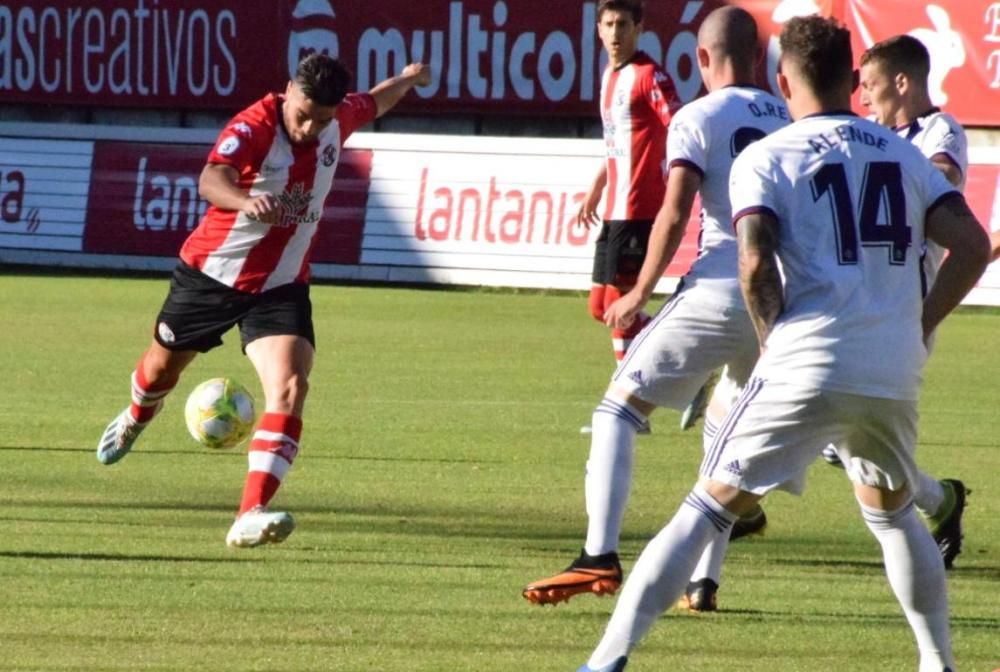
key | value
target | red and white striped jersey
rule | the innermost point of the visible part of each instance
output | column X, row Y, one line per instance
column 637, row 101
column 249, row 255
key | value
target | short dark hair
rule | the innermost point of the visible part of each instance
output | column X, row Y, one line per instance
column 633, row 7
column 323, row 80
column 902, row 53
column 821, row 48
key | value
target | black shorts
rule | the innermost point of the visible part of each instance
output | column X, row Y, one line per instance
column 200, row 309
column 621, row 249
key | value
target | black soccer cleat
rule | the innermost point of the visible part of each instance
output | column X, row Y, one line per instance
column 753, row 522
column 700, row 595
column 946, row 527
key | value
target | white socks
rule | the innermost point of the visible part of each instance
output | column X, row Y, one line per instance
column 609, row 472
column 661, row 573
column 928, row 494
column 710, row 564
column 916, row 573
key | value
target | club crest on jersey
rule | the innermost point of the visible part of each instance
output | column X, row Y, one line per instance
column 229, row 145
column 329, row 155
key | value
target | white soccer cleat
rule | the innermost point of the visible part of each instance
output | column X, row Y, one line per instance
column 260, row 526
column 118, row 438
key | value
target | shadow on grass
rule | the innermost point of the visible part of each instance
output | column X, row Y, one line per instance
column 198, row 452
column 795, row 617
column 244, row 559
column 114, row 557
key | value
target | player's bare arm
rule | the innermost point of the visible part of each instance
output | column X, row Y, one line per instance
column 952, row 225
column 587, row 214
column 994, row 246
column 392, row 90
column 664, row 239
column 952, row 172
column 760, row 280
column 219, row 185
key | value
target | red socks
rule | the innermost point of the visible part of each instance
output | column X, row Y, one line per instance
column 147, row 399
column 273, row 449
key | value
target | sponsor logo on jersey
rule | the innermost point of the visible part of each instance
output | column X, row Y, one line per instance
column 165, row 332
column 242, row 128
column 294, row 205
column 229, row 145
column 636, row 376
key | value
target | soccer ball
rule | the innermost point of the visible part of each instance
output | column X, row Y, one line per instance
column 219, row 413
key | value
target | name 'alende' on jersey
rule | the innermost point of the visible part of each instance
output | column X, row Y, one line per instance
column 845, row 133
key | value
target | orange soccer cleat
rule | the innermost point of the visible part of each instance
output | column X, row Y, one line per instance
column 598, row 574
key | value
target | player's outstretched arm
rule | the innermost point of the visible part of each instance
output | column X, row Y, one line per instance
column 952, row 225
column 664, row 239
column 392, row 90
column 219, row 186
column 760, row 279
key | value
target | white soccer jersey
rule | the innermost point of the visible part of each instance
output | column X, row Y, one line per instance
column 937, row 133
column 707, row 135
column 850, row 198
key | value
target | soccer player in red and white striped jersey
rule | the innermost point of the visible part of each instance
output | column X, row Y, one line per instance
column 247, row 263
column 637, row 101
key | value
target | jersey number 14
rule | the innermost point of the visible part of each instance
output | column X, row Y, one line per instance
column 881, row 193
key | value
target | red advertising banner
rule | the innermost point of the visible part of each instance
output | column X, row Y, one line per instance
column 140, row 53
column 963, row 39
column 499, row 56
column 144, row 201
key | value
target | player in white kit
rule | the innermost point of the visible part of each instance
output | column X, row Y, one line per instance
column 831, row 213
column 894, row 88
column 703, row 327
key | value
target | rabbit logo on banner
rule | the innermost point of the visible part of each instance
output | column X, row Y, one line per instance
column 945, row 47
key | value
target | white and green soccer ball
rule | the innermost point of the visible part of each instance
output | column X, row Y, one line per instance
column 219, row 413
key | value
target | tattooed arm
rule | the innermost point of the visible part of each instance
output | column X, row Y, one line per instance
column 952, row 225
column 760, row 280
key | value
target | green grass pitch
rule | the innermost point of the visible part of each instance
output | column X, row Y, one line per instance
column 441, row 470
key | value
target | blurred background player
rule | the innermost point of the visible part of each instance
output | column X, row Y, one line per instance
column 266, row 181
column 894, row 88
column 842, row 325
column 703, row 327
column 637, row 100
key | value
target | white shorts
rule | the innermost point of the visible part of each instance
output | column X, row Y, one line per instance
column 776, row 430
column 688, row 339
